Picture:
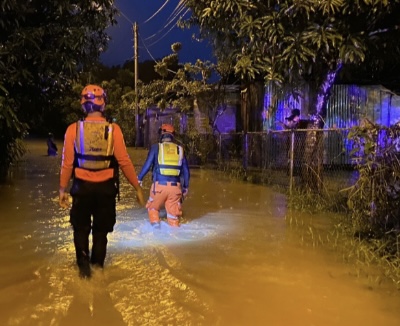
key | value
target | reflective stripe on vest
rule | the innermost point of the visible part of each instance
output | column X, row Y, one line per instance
column 170, row 156
column 94, row 144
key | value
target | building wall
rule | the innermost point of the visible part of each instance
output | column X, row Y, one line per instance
column 278, row 106
column 155, row 118
column 349, row 104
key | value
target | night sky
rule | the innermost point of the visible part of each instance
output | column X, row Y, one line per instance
column 155, row 34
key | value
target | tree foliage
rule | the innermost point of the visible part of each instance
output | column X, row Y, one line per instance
column 296, row 41
column 43, row 43
column 176, row 88
column 43, row 46
column 373, row 199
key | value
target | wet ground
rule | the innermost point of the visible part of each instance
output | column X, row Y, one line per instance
column 238, row 259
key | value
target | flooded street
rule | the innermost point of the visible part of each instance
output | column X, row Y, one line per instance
column 237, row 259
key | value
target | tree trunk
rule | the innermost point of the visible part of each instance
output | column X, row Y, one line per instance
column 252, row 103
column 312, row 166
column 320, row 100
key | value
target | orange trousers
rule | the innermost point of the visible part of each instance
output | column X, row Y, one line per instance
column 166, row 195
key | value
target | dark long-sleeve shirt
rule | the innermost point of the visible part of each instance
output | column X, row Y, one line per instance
column 152, row 163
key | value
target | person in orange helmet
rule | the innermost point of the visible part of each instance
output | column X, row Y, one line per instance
column 170, row 178
column 94, row 150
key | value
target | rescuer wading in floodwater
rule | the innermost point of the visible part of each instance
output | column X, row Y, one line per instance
column 94, row 150
column 170, row 177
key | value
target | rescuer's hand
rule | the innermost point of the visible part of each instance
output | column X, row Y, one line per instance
column 185, row 192
column 140, row 197
column 63, row 199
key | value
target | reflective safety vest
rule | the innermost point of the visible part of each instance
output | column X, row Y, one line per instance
column 94, row 145
column 170, row 156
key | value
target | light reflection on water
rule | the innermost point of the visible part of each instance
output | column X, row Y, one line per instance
column 141, row 234
column 239, row 259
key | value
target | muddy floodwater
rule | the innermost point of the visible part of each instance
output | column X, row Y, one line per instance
column 239, row 258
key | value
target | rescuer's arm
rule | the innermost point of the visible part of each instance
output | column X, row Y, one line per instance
column 185, row 177
column 125, row 163
column 151, row 156
column 67, row 164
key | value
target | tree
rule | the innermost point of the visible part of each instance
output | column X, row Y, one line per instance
column 297, row 42
column 44, row 45
column 182, row 85
column 188, row 88
column 176, row 88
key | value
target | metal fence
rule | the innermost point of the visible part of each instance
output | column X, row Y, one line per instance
column 318, row 159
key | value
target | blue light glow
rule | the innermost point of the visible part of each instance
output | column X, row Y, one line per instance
column 139, row 232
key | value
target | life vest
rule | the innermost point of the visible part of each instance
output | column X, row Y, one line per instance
column 94, row 145
column 170, row 156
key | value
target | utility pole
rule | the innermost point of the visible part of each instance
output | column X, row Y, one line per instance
column 136, row 58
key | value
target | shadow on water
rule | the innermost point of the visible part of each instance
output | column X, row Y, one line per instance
column 240, row 258
column 94, row 309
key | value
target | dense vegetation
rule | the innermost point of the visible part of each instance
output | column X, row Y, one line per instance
column 293, row 43
column 43, row 46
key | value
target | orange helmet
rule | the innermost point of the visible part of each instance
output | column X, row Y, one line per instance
column 167, row 129
column 93, row 94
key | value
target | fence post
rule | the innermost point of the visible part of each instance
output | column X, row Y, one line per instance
column 291, row 161
column 220, row 148
column 246, row 152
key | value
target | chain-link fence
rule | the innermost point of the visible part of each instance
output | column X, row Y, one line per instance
column 323, row 161
column 312, row 158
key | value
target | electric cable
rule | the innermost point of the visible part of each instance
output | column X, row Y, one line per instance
column 165, row 34
column 171, row 19
column 146, row 48
column 123, row 15
column 157, row 12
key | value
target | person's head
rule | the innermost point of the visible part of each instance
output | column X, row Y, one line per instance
column 93, row 99
column 295, row 115
column 296, row 112
column 166, row 131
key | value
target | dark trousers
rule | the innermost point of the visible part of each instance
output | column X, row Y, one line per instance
column 93, row 210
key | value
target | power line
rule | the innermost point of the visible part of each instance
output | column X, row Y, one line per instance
column 157, row 12
column 148, row 51
column 123, row 15
column 165, row 34
column 132, row 24
column 179, row 8
column 171, row 19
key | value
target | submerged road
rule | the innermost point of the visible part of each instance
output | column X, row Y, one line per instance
column 239, row 258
